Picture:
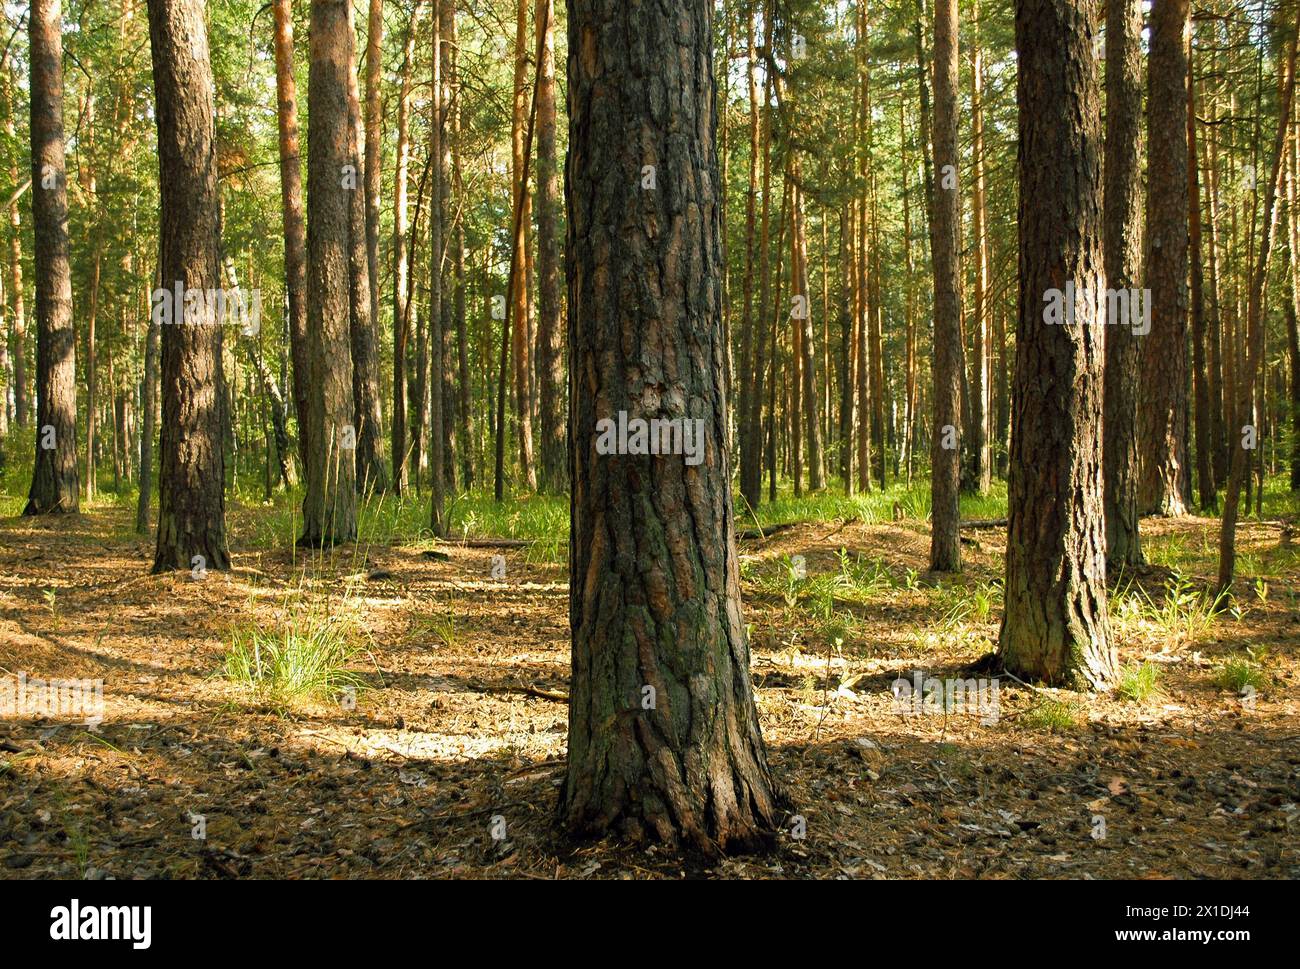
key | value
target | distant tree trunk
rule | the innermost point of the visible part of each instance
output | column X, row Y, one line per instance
column 519, row 312
column 751, row 457
column 1163, row 415
column 1293, row 308
column 1123, row 258
column 1200, row 383
column 54, row 475
column 664, row 738
column 848, row 351
column 372, row 471
column 401, row 320
column 550, row 364
column 981, row 370
column 749, row 439
column 1238, row 469
column 295, row 232
column 17, row 310
column 945, row 446
column 1055, row 628
column 374, row 148
column 92, row 390
column 149, row 413
column 807, row 361
column 465, row 408
column 330, row 505
column 437, row 225
column 192, row 473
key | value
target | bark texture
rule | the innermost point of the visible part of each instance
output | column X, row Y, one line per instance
column 654, row 575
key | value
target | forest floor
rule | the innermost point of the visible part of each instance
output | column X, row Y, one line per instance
column 459, row 727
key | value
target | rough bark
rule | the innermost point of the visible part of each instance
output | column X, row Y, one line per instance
column 1055, row 628
column 653, row 563
column 330, row 504
column 553, row 475
column 372, row 470
column 54, row 477
column 191, row 475
column 1123, row 256
column 945, row 461
column 1163, row 415
column 295, row 230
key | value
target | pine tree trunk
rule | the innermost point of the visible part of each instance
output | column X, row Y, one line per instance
column 372, row 471
column 523, row 216
column 148, row 424
column 981, row 371
column 1239, row 467
column 17, row 309
column 401, row 319
column 1123, row 258
column 330, row 505
column 1055, row 628
column 945, row 446
column 1200, row 383
column 295, row 231
column 437, row 235
column 374, row 147
column 550, row 364
column 191, row 475
column 1163, row 415
column 663, row 732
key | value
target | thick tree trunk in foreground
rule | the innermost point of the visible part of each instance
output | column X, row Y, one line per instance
column 54, row 476
column 945, row 432
column 1123, row 244
column 663, row 731
column 295, row 231
column 329, row 509
column 192, row 473
column 1055, row 628
column 1165, row 475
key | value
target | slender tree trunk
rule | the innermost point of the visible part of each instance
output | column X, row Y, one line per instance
column 92, row 373
column 807, row 362
column 374, row 147
column 945, row 447
column 437, row 236
column 1238, row 469
column 749, row 436
column 1293, row 308
column 464, row 411
column 330, row 506
column 523, row 206
column 401, row 319
column 191, row 478
column 751, row 457
column 1055, row 628
column 1163, row 415
column 1200, row 384
column 54, row 486
column 981, row 371
column 372, row 471
column 17, row 309
column 550, row 364
column 295, row 231
column 664, row 738
column 1123, row 258
column 148, row 424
